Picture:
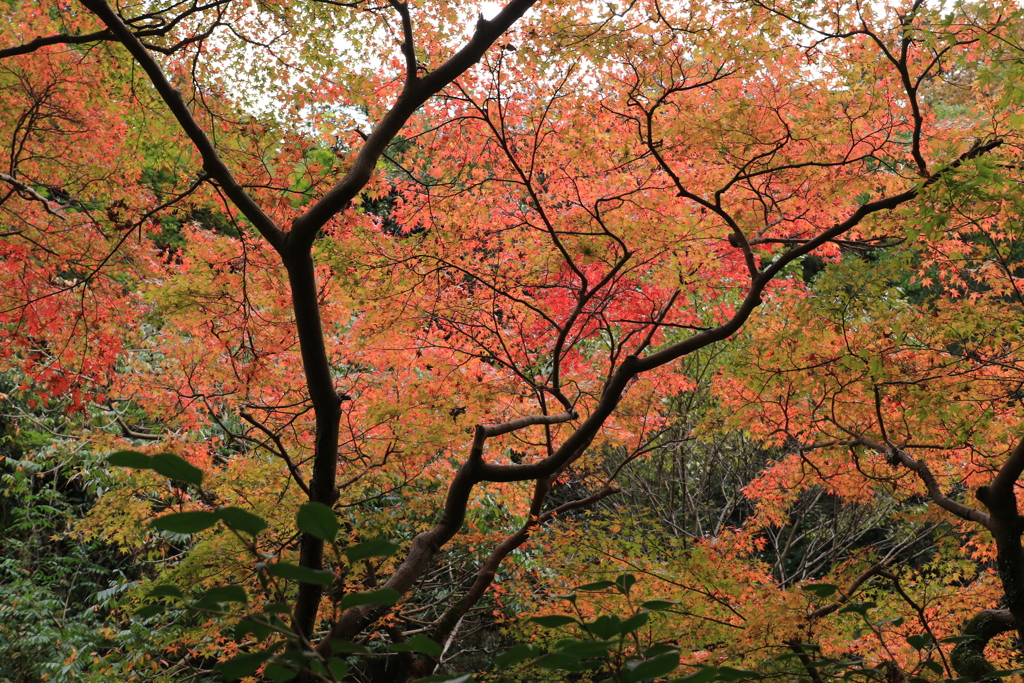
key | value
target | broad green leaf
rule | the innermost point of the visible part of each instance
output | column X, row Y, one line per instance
column 518, row 654
column 254, row 626
column 418, row 643
column 606, row 626
column 655, row 667
column 372, row 548
column 294, row 572
column 220, row 594
column 185, row 522
column 703, row 674
column 151, row 610
column 173, row 467
column 858, row 607
column 338, row 667
column 659, row 605
column 822, row 590
column 553, row 620
column 318, row 520
column 624, row 583
column 277, row 608
column 564, row 662
column 727, row 673
column 596, row 586
column 348, row 647
column 133, row 459
column 280, row 672
column 634, row 623
column 919, row 641
column 446, row 678
column 585, row 649
column 165, row 591
column 384, row 596
column 241, row 520
column 167, row 464
column 242, row 665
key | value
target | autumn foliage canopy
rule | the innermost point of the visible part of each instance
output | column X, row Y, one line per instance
column 547, row 341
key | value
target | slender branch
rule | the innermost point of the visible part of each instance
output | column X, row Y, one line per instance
column 923, row 472
column 212, row 162
column 280, row 451
column 485, row 576
column 29, row 192
column 414, row 94
column 847, row 593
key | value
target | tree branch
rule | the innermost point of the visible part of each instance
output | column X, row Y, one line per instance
column 212, row 162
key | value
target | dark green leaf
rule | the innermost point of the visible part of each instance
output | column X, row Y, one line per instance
column 634, row 623
column 373, row 548
column 280, row 672
column 151, row 610
column 1006, row 672
column 606, row 626
column 585, row 649
column 173, row 467
column 518, row 654
column 221, row 594
column 658, row 605
column 446, row 678
column 295, row 573
column 822, row 590
column 596, row 586
column 919, row 641
column 384, row 596
column 241, row 520
column 165, row 591
column 858, row 607
column 241, row 666
column 727, row 673
column 651, row 668
column 257, row 628
column 563, row 662
column 185, row 522
column 348, row 647
column 703, row 674
column 419, row 643
column 277, row 608
column 338, row 667
column 133, row 459
column 318, row 520
column 624, row 583
column 553, row 620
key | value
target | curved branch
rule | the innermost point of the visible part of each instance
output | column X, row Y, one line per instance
column 923, row 472
column 212, row 162
column 414, row 94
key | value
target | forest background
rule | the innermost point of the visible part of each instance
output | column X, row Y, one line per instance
column 617, row 341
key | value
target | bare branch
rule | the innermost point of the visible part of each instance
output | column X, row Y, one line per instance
column 30, row 193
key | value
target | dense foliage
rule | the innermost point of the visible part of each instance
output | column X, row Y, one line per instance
column 550, row 341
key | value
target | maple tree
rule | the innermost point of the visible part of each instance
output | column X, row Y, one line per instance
column 426, row 269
